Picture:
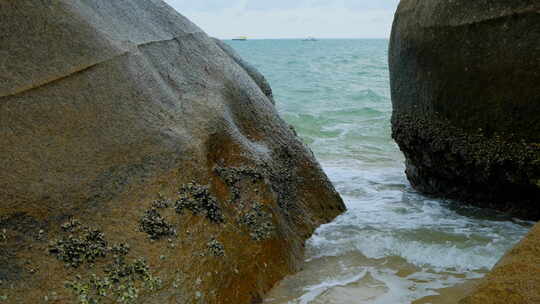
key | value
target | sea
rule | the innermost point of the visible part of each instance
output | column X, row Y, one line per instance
column 393, row 245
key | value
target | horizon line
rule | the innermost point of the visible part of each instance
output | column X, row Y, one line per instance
column 322, row 38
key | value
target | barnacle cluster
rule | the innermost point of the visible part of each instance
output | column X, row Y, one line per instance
column 197, row 199
column 474, row 148
column 155, row 225
column 71, row 225
column 283, row 178
column 193, row 197
column 161, row 202
column 120, row 249
column 470, row 165
column 232, row 177
column 258, row 222
column 82, row 245
column 121, row 281
column 216, row 248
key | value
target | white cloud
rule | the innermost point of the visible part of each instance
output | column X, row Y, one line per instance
column 291, row 19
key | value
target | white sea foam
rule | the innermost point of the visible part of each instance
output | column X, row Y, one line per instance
column 388, row 219
column 393, row 245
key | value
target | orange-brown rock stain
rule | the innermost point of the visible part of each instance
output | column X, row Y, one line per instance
column 515, row 279
column 247, row 270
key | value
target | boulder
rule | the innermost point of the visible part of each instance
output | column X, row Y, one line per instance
column 514, row 280
column 140, row 163
column 466, row 100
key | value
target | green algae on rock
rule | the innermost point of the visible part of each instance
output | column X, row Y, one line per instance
column 122, row 282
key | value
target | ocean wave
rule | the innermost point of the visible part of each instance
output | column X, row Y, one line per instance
column 393, row 245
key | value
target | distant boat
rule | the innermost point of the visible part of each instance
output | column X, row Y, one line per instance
column 310, row 39
column 241, row 38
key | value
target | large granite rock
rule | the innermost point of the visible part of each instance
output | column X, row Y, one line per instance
column 465, row 89
column 133, row 148
column 515, row 279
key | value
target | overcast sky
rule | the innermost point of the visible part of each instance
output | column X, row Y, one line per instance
column 290, row 18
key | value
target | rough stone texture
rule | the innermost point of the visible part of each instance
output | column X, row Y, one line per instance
column 466, row 99
column 515, row 279
column 111, row 114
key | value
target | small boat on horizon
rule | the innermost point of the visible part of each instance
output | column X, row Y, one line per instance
column 310, row 39
column 240, row 38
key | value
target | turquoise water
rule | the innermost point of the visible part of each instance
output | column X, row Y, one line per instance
column 393, row 245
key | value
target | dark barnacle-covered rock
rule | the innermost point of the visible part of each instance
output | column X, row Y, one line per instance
column 197, row 199
column 258, row 222
column 216, row 248
column 155, row 225
column 86, row 246
column 465, row 96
